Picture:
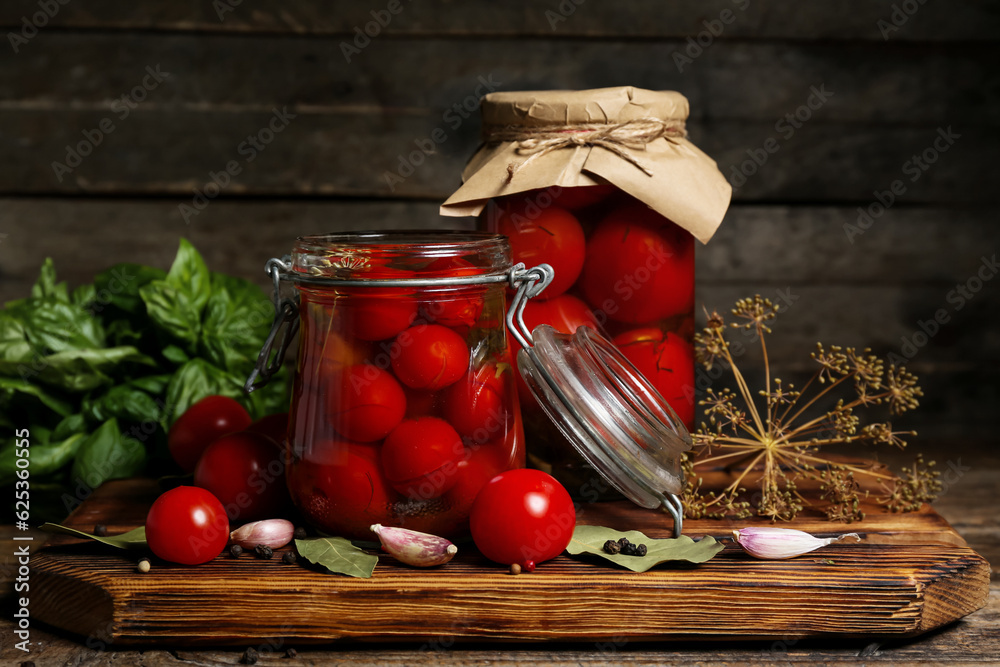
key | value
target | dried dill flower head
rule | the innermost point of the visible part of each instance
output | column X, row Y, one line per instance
column 772, row 431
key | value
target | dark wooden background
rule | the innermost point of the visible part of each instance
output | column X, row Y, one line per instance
column 326, row 171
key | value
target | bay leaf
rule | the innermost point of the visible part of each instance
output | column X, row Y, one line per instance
column 133, row 539
column 591, row 539
column 337, row 555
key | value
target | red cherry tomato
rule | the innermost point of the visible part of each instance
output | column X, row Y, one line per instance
column 246, row 472
column 668, row 362
column 476, row 405
column 365, row 403
column 206, row 420
column 273, row 426
column 340, row 488
column 640, row 266
column 480, row 466
column 187, row 525
column 420, row 457
column 551, row 235
column 429, row 356
column 460, row 307
column 378, row 313
column 522, row 516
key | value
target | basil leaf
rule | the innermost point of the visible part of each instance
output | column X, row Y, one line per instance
column 123, row 401
column 54, row 326
column 119, row 285
column 194, row 381
column 173, row 310
column 108, row 454
column 45, row 454
column 57, row 405
column 76, row 370
column 121, row 332
column 133, row 539
column 71, row 425
column 189, row 275
column 175, row 355
column 237, row 320
column 84, row 296
column 591, row 539
column 46, row 286
column 337, row 555
column 14, row 345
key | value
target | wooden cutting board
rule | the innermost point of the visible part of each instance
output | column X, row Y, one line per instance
column 911, row 573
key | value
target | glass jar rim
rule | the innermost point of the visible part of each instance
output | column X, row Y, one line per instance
column 440, row 239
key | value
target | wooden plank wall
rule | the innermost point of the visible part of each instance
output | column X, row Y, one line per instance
column 892, row 78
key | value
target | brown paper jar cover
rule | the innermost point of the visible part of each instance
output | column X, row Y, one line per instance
column 683, row 184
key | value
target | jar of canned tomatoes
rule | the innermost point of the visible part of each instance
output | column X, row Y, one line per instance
column 604, row 186
column 404, row 401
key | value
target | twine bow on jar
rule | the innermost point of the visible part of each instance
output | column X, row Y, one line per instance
column 633, row 134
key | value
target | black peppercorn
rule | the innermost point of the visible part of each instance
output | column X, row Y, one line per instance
column 249, row 656
column 101, row 530
column 291, row 653
column 623, row 543
column 235, row 551
column 300, row 533
column 263, row 551
column 612, row 547
column 289, row 558
column 640, row 550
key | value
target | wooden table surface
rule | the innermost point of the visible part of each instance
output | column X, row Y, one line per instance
column 970, row 470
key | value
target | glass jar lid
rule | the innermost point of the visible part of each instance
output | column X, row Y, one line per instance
column 606, row 408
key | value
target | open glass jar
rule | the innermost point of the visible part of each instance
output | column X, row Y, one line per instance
column 404, row 402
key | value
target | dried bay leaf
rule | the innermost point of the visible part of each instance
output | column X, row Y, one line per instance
column 133, row 539
column 337, row 555
column 591, row 539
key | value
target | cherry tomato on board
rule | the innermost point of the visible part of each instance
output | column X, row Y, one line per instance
column 667, row 360
column 420, row 457
column 640, row 266
column 246, row 472
column 551, row 235
column 429, row 356
column 340, row 488
column 187, row 525
column 206, row 420
column 522, row 516
column 365, row 403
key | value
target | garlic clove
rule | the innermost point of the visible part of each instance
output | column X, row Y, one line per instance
column 780, row 543
column 415, row 548
column 274, row 533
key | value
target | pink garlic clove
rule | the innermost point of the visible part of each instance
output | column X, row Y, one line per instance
column 781, row 543
column 274, row 533
column 415, row 548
